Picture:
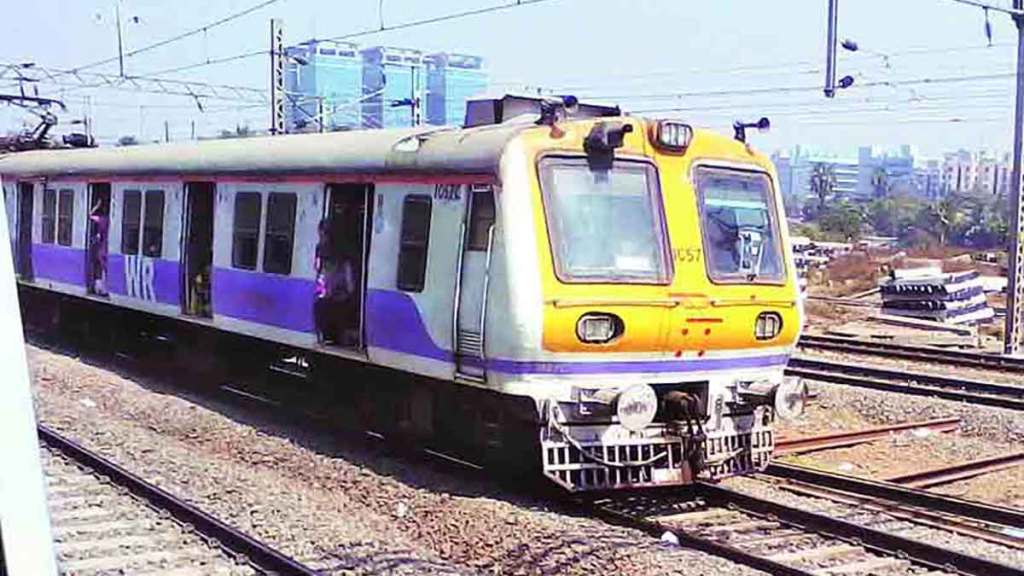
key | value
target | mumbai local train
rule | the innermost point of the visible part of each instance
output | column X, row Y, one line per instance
column 606, row 298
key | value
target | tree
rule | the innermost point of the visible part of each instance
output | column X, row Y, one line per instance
column 842, row 222
column 823, row 183
column 127, row 141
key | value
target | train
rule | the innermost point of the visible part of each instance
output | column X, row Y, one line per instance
column 605, row 298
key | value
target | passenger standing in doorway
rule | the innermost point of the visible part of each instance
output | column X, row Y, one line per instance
column 98, row 248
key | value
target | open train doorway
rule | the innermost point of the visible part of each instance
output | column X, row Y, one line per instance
column 99, row 231
column 342, row 254
column 23, row 259
column 197, row 266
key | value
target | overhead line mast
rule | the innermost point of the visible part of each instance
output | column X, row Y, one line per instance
column 1015, row 271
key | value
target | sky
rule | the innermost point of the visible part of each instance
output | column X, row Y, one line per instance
column 924, row 74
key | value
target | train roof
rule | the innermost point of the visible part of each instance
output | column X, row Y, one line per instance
column 408, row 150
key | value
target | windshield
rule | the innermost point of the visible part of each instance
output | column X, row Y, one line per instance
column 605, row 225
column 741, row 236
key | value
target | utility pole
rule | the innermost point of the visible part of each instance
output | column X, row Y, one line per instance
column 830, row 54
column 167, row 131
column 277, row 58
column 120, row 43
column 1015, row 269
column 1015, row 285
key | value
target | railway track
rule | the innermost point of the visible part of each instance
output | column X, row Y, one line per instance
column 907, row 382
column 785, row 540
column 106, row 520
column 919, row 353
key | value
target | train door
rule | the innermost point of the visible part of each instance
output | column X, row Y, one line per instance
column 97, row 240
column 472, row 287
column 25, row 209
column 197, row 261
column 342, row 251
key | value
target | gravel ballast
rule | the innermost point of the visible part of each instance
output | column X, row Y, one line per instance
column 333, row 503
column 985, row 431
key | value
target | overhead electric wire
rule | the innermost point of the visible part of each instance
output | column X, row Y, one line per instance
column 181, row 36
column 366, row 32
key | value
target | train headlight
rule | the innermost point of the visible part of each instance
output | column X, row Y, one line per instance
column 594, row 328
column 636, row 407
column 672, row 135
column 767, row 326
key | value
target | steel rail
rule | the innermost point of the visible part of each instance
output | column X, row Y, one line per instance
column 980, row 511
column 960, row 471
column 259, row 554
column 933, row 557
column 971, row 391
column 908, row 352
column 658, row 529
column 802, row 444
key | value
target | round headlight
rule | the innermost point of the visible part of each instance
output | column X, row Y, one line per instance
column 636, row 407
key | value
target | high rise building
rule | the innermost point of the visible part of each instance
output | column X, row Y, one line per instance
column 451, row 80
column 394, row 87
column 323, row 76
column 378, row 87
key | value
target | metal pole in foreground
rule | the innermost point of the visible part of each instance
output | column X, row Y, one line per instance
column 276, row 77
column 830, row 54
column 1015, row 271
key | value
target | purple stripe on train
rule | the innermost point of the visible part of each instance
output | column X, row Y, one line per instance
column 394, row 323
column 59, row 263
column 269, row 299
column 149, row 279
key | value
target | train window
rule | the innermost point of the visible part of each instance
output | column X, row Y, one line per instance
column 605, row 226
column 412, row 252
column 65, row 216
column 49, row 215
column 280, row 233
column 481, row 218
column 246, row 242
column 153, row 224
column 131, row 221
column 740, row 228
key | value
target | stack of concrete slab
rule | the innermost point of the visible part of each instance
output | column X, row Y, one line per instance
column 930, row 294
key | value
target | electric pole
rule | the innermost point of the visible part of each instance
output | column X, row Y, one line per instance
column 277, row 58
column 1015, row 266
column 830, row 55
column 1015, row 285
column 120, row 43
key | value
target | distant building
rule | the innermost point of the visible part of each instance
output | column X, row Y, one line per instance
column 327, row 73
column 393, row 78
column 377, row 87
column 452, row 79
column 881, row 172
column 976, row 172
column 796, row 167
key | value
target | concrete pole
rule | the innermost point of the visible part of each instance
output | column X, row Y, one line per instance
column 1015, row 273
column 27, row 542
column 830, row 49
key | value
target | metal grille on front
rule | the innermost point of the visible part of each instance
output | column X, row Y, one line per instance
column 735, row 454
column 568, row 466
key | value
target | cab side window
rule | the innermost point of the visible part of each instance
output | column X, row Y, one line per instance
column 65, row 216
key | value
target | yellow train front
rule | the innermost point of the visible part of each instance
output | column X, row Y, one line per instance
column 653, row 258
